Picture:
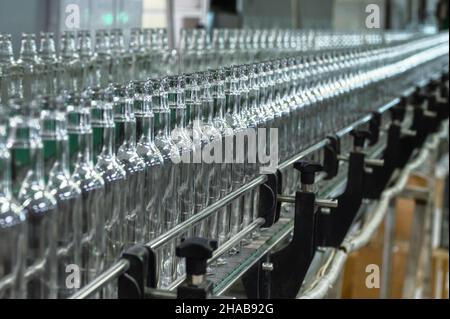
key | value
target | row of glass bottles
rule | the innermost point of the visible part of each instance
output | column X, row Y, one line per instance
column 200, row 50
column 80, row 64
column 104, row 170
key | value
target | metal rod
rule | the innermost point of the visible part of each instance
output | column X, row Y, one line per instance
column 237, row 238
column 286, row 199
column 180, row 228
column 302, row 154
column 152, row 293
column 111, row 273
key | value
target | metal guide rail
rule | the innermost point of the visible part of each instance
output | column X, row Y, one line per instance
column 273, row 228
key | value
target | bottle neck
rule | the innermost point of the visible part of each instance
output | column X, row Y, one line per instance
column 177, row 109
column 6, row 51
column 232, row 97
column 144, row 121
column 85, row 46
column 125, row 123
column 28, row 50
column 26, row 152
column 47, row 49
column 218, row 94
column 55, row 142
column 80, row 136
column 102, row 121
column 207, row 104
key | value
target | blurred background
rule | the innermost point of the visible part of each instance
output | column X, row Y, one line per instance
column 33, row 16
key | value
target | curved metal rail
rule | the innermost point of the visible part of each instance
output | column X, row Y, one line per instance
column 356, row 241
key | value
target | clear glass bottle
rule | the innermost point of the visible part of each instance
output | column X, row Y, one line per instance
column 91, row 184
column 226, row 132
column 13, row 226
column 51, row 64
column 26, row 149
column 122, row 64
column 31, row 67
column 125, row 144
column 147, row 150
column 11, row 73
column 102, row 59
column 72, row 71
column 112, row 172
column 168, row 182
column 135, row 57
column 250, row 140
column 61, row 186
column 200, row 140
column 87, row 58
column 233, row 116
column 181, row 138
column 209, row 160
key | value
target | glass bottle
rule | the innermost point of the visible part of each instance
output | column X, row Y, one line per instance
column 226, row 132
column 72, row 72
column 200, row 140
column 113, row 174
column 61, row 186
column 134, row 166
column 122, row 64
column 135, row 57
column 91, row 184
column 181, row 138
column 13, row 226
column 211, row 153
column 26, row 149
column 11, row 73
column 86, row 54
column 147, row 150
column 51, row 66
column 249, row 141
column 233, row 116
column 102, row 59
column 31, row 66
column 168, row 182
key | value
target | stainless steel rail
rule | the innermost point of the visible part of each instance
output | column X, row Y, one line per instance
column 180, row 228
column 107, row 276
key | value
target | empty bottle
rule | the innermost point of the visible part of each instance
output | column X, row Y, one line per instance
column 31, row 66
column 134, row 166
column 113, row 174
column 91, row 184
column 13, row 226
column 61, row 186
column 26, row 149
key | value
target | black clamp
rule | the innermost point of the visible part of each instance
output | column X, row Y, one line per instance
column 196, row 251
column 291, row 263
column 334, row 223
column 374, row 128
column 331, row 153
column 140, row 273
column 268, row 206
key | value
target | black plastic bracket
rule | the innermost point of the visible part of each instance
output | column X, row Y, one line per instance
column 131, row 284
column 330, row 161
column 268, row 206
column 374, row 128
column 376, row 181
column 334, row 223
